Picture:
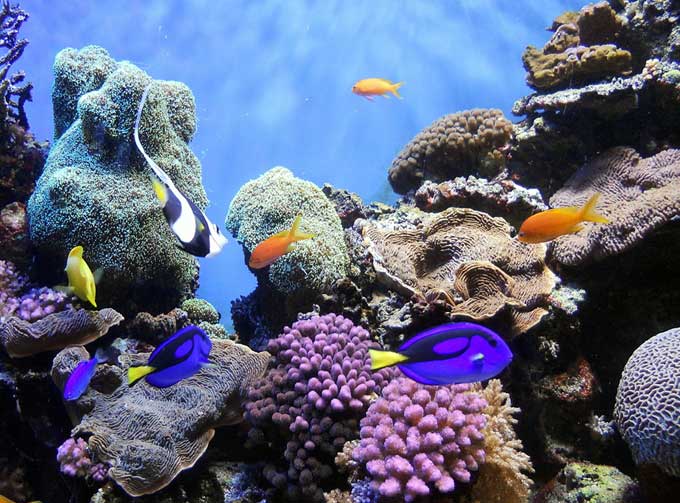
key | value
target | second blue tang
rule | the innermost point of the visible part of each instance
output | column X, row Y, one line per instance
column 180, row 356
column 448, row 354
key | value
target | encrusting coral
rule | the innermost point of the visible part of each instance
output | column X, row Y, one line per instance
column 311, row 402
column 503, row 476
column 459, row 144
column 93, row 172
column 21, row 338
column 469, row 255
column 269, row 204
column 147, row 435
column 638, row 196
column 648, row 402
column 415, row 438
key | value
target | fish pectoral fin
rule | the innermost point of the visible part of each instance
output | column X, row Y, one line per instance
column 477, row 359
column 576, row 228
column 97, row 275
column 369, row 98
column 588, row 213
column 136, row 373
column 381, row 359
column 160, row 190
column 68, row 290
column 290, row 247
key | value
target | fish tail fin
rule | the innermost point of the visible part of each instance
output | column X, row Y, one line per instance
column 136, row 373
column 381, row 359
column 394, row 90
column 588, row 211
column 294, row 234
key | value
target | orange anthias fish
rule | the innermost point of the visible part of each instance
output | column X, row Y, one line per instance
column 550, row 224
column 373, row 87
column 279, row 244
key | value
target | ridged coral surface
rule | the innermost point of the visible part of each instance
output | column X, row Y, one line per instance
column 638, row 196
column 417, row 440
column 458, row 144
column 647, row 410
column 313, row 400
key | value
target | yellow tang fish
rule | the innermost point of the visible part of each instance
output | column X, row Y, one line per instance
column 373, row 87
column 81, row 281
column 550, row 224
column 274, row 246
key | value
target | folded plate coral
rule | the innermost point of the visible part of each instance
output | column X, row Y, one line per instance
column 468, row 254
column 147, row 434
column 638, row 196
column 94, row 173
column 312, row 401
column 459, row 144
column 415, row 438
column 56, row 331
column 269, row 204
column 648, row 402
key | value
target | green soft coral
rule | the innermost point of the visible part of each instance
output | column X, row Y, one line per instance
column 96, row 191
column 268, row 205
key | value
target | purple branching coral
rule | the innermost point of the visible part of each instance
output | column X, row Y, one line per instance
column 74, row 457
column 32, row 305
column 11, row 283
column 417, row 438
column 312, row 400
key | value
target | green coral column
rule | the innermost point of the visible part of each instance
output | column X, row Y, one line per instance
column 96, row 190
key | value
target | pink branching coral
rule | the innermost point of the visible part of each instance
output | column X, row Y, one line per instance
column 74, row 458
column 39, row 302
column 312, row 401
column 418, row 438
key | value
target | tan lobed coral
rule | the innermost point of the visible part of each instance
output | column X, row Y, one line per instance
column 459, row 144
column 581, row 50
column 638, row 196
column 469, row 255
column 502, row 478
column 56, row 331
column 147, row 434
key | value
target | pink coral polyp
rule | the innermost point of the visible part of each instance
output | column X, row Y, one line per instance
column 418, row 439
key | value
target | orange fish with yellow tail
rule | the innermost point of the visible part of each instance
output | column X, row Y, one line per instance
column 550, row 224
column 374, row 87
column 279, row 244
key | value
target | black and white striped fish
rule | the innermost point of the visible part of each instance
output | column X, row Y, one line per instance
column 197, row 235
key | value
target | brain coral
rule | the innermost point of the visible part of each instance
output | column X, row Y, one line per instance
column 312, row 400
column 96, row 191
column 268, row 205
column 417, row 438
column 459, row 144
column 648, row 402
column 469, row 254
column 638, row 196
column 147, row 434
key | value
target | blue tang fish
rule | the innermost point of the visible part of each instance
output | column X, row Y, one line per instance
column 81, row 376
column 448, row 354
column 180, row 356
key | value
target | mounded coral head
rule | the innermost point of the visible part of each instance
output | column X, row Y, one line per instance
column 416, row 439
column 459, row 144
column 313, row 400
column 638, row 196
column 648, row 402
column 96, row 190
column 200, row 310
column 147, row 434
column 269, row 204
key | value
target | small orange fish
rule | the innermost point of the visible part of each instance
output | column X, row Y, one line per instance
column 279, row 244
column 550, row 224
column 373, row 87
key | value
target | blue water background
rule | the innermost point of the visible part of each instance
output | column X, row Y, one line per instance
column 272, row 82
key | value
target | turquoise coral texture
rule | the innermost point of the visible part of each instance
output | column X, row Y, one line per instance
column 648, row 402
column 268, row 205
column 96, row 191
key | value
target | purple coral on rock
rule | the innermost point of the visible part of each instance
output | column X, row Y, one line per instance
column 11, row 283
column 39, row 302
column 312, row 400
column 417, row 438
column 74, row 458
